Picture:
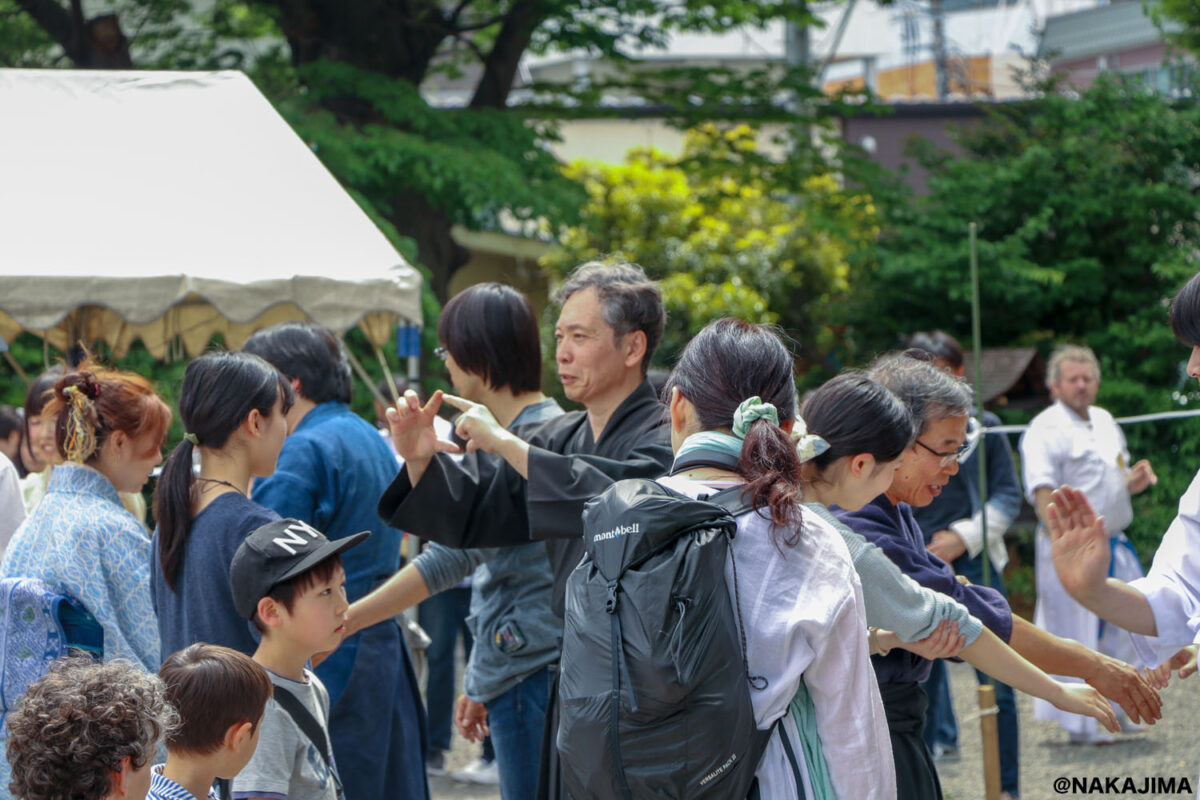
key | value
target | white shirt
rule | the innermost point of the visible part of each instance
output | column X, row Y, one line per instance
column 12, row 503
column 802, row 609
column 1173, row 584
column 1061, row 448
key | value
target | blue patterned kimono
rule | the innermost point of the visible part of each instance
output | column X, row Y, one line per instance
column 81, row 541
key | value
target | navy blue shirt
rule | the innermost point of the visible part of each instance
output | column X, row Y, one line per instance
column 200, row 609
column 894, row 530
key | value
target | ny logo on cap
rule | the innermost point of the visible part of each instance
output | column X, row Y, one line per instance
column 294, row 531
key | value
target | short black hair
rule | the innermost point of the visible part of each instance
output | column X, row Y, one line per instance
column 1185, row 312
column 629, row 301
column 10, row 420
column 308, row 352
column 491, row 331
column 938, row 344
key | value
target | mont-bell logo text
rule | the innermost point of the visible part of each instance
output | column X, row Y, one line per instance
column 293, row 537
column 617, row 532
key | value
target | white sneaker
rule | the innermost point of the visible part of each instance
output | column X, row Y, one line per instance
column 478, row 771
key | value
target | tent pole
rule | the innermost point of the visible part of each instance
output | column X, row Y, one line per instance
column 12, row 362
column 387, row 373
column 362, row 373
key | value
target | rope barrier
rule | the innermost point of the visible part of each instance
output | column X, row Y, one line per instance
column 1120, row 420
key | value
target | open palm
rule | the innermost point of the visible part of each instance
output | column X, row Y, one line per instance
column 1079, row 542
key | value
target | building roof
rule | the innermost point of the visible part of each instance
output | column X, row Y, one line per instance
column 1105, row 29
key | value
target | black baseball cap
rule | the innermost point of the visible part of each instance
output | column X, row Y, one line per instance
column 276, row 552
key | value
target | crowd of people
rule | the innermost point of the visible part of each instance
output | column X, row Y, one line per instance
column 256, row 630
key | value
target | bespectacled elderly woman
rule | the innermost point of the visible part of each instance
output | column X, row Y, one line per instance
column 939, row 405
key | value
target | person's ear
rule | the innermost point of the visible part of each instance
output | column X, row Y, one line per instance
column 634, row 345
column 237, row 735
column 861, row 464
column 270, row 613
column 680, row 408
column 254, row 423
column 121, row 778
column 118, row 441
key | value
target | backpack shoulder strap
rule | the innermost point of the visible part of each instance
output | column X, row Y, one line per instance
column 731, row 499
column 307, row 723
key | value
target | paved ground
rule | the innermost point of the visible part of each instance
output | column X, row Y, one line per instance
column 1168, row 750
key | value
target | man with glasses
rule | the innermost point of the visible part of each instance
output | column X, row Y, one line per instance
column 954, row 532
column 1075, row 443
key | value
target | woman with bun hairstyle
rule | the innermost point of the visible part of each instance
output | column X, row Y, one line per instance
column 732, row 400
column 109, row 428
column 232, row 406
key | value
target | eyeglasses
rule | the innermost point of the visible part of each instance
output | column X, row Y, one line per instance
column 441, row 352
column 947, row 458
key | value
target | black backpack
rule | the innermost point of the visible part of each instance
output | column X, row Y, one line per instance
column 654, row 693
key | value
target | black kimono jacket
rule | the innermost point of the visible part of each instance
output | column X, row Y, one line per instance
column 481, row 501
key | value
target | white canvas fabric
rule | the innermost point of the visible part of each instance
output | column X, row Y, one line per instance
column 157, row 205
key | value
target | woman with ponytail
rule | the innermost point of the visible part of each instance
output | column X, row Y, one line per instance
column 109, row 428
column 232, row 406
column 732, row 401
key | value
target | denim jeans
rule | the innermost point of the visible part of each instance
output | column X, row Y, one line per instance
column 940, row 725
column 443, row 616
column 516, row 719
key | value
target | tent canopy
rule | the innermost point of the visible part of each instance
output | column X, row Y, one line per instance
column 172, row 206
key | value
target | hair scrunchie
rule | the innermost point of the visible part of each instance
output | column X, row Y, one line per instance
column 193, row 438
column 81, row 436
column 808, row 445
column 751, row 410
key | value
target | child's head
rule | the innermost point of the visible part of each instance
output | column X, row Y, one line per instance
column 220, row 695
column 288, row 578
column 232, row 402
column 87, row 731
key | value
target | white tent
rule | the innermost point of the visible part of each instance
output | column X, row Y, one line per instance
column 170, row 206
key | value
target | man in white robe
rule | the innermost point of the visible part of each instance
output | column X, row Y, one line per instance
column 1078, row 444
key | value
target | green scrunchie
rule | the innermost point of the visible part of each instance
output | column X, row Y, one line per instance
column 750, row 411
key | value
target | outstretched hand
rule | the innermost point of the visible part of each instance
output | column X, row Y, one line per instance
column 1079, row 543
column 413, row 434
column 1079, row 699
column 1128, row 688
column 1184, row 662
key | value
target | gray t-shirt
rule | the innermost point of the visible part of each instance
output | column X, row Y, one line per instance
column 287, row 764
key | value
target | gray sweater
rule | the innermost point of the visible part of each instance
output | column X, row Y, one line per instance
column 510, row 590
column 894, row 601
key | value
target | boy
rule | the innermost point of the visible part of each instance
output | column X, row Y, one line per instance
column 220, row 695
column 87, row 731
column 287, row 578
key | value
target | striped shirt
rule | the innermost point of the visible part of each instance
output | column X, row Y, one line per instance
column 163, row 788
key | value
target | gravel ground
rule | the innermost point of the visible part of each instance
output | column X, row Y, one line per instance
column 1166, row 750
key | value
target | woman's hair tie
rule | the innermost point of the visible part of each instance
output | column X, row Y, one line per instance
column 751, row 410
column 808, row 445
column 80, row 440
column 193, row 438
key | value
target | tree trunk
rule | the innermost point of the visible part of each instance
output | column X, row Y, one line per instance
column 96, row 43
column 430, row 229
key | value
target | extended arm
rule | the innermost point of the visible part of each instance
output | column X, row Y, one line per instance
column 1081, row 557
column 1113, row 678
column 437, row 569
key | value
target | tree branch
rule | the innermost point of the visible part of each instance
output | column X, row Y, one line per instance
column 53, row 19
column 500, row 66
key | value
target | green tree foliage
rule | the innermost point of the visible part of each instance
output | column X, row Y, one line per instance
column 1180, row 20
column 351, row 76
column 1087, row 212
column 728, row 231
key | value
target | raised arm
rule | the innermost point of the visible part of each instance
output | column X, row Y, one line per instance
column 1081, row 557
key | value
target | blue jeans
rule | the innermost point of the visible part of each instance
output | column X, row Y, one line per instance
column 940, row 725
column 516, row 719
column 443, row 616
